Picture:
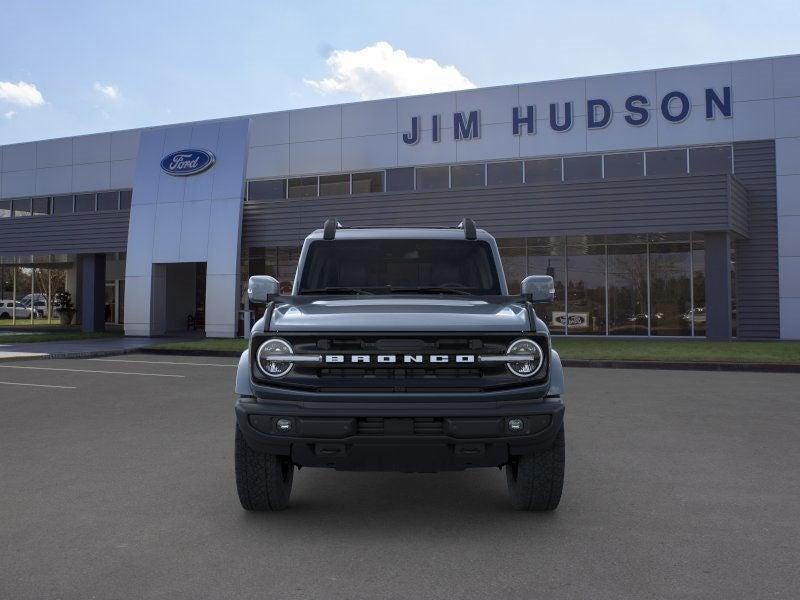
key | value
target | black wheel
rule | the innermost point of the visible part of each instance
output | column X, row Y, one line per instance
column 535, row 480
column 264, row 481
column 5, row 315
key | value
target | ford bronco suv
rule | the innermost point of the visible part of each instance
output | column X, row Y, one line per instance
column 399, row 349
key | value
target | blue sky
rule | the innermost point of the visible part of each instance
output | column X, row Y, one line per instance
column 69, row 68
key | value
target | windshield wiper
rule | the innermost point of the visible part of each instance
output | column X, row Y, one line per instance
column 336, row 290
column 441, row 289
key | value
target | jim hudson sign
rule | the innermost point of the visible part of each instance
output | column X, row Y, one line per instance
column 674, row 106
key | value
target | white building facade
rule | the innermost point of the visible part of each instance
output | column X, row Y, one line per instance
column 664, row 202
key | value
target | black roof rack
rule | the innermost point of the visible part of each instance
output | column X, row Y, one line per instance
column 468, row 225
column 330, row 227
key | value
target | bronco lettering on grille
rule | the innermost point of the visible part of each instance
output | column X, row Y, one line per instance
column 399, row 358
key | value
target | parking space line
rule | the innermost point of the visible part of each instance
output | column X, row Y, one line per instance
column 91, row 371
column 60, row 387
column 161, row 362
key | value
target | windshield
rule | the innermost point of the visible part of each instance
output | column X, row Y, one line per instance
column 428, row 266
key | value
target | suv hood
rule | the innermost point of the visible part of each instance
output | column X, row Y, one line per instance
column 396, row 313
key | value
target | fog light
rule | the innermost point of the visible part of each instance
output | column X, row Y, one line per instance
column 283, row 425
column 516, row 424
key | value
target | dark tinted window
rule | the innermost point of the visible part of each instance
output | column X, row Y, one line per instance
column 84, row 202
column 5, row 209
column 577, row 168
column 125, row 199
column 543, row 171
column 272, row 189
column 714, row 159
column 383, row 266
column 433, row 178
column 62, row 205
column 400, row 180
column 367, row 183
column 108, row 201
column 504, row 173
column 666, row 162
column 22, row 207
column 303, row 187
column 41, row 206
column 630, row 164
column 334, row 185
column 468, row 175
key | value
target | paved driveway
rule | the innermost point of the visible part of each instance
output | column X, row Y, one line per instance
column 117, row 482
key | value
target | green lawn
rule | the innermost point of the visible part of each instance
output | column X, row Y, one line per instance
column 52, row 336
column 607, row 349
column 678, row 350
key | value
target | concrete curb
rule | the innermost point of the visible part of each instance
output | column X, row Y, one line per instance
column 219, row 353
column 683, row 366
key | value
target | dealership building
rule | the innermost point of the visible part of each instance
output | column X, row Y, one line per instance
column 663, row 203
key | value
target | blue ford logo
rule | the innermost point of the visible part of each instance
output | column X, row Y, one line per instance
column 187, row 162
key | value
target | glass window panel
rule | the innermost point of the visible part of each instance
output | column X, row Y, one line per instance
column 627, row 289
column 334, row 185
column 41, row 206
column 504, row 173
column 256, row 261
column 303, row 187
column 433, row 178
column 84, row 203
column 546, row 257
column 580, row 168
column 368, row 183
column 62, row 205
column 5, row 209
column 543, row 171
column 699, row 285
column 468, row 175
column 400, row 180
column 586, row 276
column 714, row 159
column 734, row 311
column 512, row 255
column 630, row 164
column 125, row 199
column 271, row 189
column 22, row 207
column 108, row 201
column 670, row 299
column 666, row 162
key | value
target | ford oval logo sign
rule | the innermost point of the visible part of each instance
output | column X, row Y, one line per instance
column 187, row 162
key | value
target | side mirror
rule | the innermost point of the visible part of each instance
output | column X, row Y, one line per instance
column 538, row 288
column 260, row 288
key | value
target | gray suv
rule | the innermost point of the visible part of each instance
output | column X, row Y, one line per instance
column 399, row 349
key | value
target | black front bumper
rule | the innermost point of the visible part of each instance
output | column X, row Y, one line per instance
column 397, row 436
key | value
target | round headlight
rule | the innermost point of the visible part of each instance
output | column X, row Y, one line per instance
column 525, row 348
column 268, row 352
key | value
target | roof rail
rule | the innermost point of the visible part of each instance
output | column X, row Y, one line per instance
column 330, row 227
column 468, row 225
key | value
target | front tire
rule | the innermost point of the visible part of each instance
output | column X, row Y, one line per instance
column 535, row 480
column 263, row 481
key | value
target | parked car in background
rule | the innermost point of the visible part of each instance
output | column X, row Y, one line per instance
column 14, row 308
column 39, row 304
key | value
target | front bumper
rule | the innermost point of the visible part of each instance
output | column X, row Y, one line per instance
column 397, row 436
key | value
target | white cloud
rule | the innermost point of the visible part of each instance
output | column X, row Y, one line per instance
column 20, row 93
column 10, row 114
column 380, row 71
column 109, row 91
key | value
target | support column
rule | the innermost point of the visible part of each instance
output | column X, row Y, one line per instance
column 93, row 290
column 718, row 286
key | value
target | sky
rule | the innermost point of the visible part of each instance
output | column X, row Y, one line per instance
column 85, row 66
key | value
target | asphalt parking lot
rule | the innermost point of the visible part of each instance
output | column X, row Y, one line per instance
column 117, row 482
